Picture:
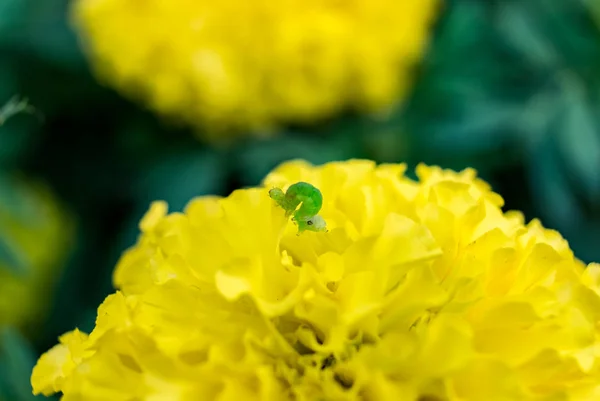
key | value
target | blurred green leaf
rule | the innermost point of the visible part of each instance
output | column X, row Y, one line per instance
column 41, row 29
column 520, row 29
column 180, row 175
column 50, row 34
column 539, row 111
column 87, row 320
column 387, row 146
column 553, row 197
column 579, row 138
column 594, row 9
column 17, row 201
column 11, row 11
column 584, row 239
column 254, row 159
column 18, row 205
column 16, row 138
column 463, row 25
column 16, row 363
column 74, row 286
column 8, row 86
column 485, row 126
column 16, row 133
column 10, row 258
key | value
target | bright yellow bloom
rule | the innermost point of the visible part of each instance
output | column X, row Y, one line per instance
column 419, row 291
column 237, row 64
column 37, row 232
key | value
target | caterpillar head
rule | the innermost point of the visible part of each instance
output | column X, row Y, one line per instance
column 315, row 223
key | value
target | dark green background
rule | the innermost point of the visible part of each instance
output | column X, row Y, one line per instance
column 510, row 87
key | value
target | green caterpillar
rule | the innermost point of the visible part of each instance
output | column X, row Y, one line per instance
column 309, row 199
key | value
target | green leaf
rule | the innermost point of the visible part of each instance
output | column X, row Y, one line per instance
column 16, row 137
column 21, row 206
column 593, row 7
column 11, row 11
column 10, row 258
column 180, row 175
column 51, row 35
column 463, row 25
column 8, row 79
column 484, row 126
column 550, row 189
column 578, row 138
column 87, row 319
column 387, row 146
column 16, row 133
column 519, row 27
column 255, row 159
column 16, row 363
column 19, row 201
column 75, row 286
column 537, row 115
column 41, row 29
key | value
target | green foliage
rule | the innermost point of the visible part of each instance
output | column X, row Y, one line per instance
column 17, row 359
column 11, row 203
column 515, row 84
column 510, row 87
column 18, row 207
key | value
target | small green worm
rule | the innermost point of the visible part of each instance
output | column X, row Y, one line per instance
column 310, row 200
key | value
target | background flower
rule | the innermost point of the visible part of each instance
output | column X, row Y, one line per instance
column 238, row 65
column 35, row 237
column 420, row 290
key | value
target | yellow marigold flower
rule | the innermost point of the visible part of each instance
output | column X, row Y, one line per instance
column 236, row 64
column 36, row 230
column 419, row 291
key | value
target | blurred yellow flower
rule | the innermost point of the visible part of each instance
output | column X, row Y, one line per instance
column 36, row 231
column 233, row 65
column 419, row 291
